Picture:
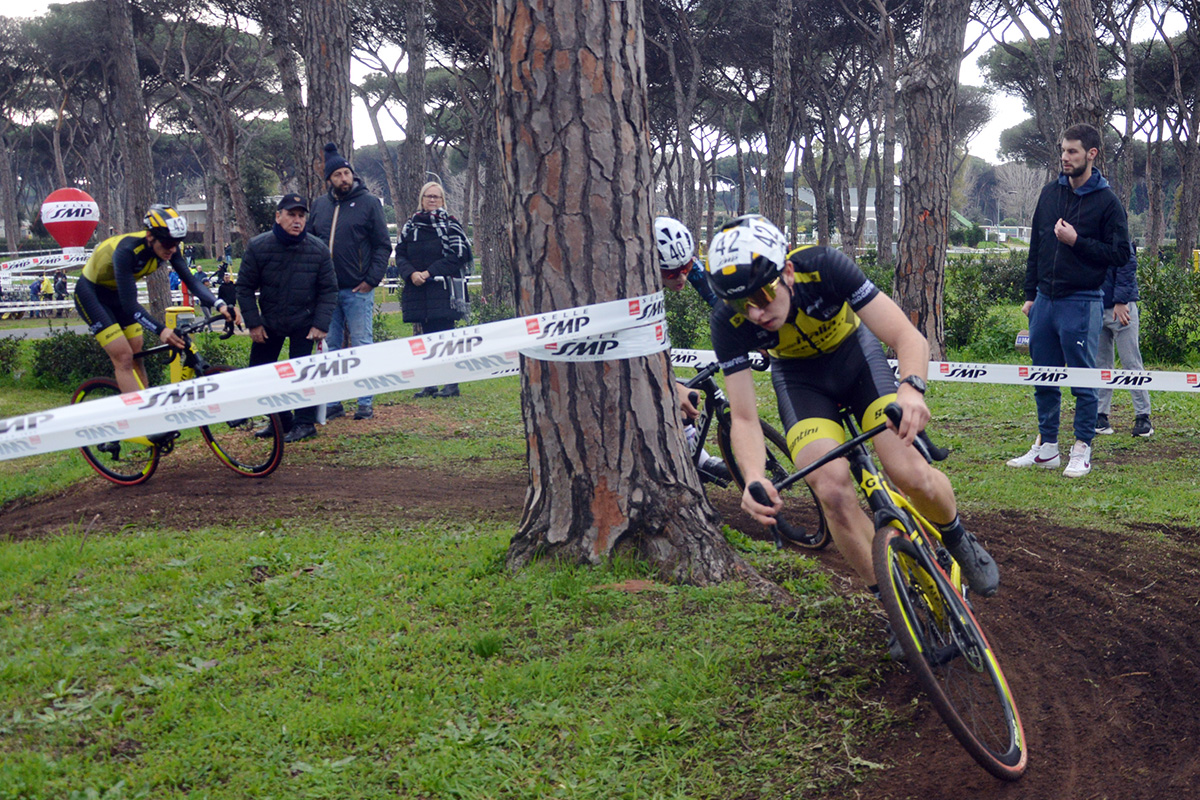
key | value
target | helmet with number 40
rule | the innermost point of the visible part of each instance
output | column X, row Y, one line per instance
column 744, row 256
column 675, row 243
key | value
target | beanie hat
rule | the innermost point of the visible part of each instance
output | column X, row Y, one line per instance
column 334, row 160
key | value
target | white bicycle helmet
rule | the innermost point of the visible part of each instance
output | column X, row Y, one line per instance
column 746, row 255
column 675, row 243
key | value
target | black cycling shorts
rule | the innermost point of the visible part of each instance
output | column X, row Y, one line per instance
column 100, row 308
column 810, row 390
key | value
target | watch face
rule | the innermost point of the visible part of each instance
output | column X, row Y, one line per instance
column 915, row 382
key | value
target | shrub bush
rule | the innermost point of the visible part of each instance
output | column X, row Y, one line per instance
column 687, row 318
column 231, row 352
column 485, row 309
column 65, row 359
column 1169, row 311
column 975, row 283
column 10, row 356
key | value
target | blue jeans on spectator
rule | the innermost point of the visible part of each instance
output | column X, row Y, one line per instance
column 1065, row 333
column 356, row 311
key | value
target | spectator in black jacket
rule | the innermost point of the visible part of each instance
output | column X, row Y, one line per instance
column 1079, row 232
column 431, row 252
column 350, row 220
column 293, row 274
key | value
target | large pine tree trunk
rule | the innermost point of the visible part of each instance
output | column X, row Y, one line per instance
column 1081, row 67
column 928, row 91
column 779, row 126
column 1156, row 224
column 274, row 18
column 326, row 50
column 8, row 195
column 608, row 466
column 412, row 175
column 134, row 139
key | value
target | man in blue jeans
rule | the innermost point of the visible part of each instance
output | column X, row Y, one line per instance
column 1079, row 232
column 350, row 220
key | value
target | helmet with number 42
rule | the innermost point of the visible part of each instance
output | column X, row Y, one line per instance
column 745, row 255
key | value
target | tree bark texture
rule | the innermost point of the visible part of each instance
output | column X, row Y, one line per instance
column 608, row 465
column 929, row 87
column 1081, row 67
column 133, row 136
column 8, row 196
column 412, row 174
column 779, row 127
column 1156, row 219
column 326, row 50
column 278, row 27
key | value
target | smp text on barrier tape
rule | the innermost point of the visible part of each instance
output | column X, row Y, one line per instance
column 1020, row 375
column 618, row 329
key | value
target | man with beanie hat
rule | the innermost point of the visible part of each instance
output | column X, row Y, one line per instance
column 350, row 221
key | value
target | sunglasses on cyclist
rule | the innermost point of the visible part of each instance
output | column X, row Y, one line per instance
column 669, row 274
column 760, row 299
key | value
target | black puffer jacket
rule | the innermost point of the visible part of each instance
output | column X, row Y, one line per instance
column 296, row 281
column 361, row 244
column 420, row 252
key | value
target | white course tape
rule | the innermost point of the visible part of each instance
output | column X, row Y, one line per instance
column 617, row 329
column 1019, row 374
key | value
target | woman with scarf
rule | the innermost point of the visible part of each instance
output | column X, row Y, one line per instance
column 431, row 251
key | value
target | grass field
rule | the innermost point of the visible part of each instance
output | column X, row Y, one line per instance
column 304, row 660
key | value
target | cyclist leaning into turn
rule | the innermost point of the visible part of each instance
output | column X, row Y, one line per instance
column 106, row 292
column 819, row 317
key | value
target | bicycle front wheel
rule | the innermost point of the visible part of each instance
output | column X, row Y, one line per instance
column 125, row 462
column 950, row 655
column 779, row 465
column 251, row 447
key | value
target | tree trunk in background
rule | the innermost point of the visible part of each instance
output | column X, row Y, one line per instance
column 773, row 199
column 573, row 128
column 8, row 196
column 928, row 91
column 412, row 170
column 307, row 157
column 133, row 136
column 493, row 242
column 885, row 191
column 1156, row 222
column 326, row 51
column 1081, row 68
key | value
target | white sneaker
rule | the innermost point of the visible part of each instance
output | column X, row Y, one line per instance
column 1081, row 461
column 1041, row 454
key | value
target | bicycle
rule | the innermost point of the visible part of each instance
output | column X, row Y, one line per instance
column 251, row 447
column 779, row 460
column 924, row 595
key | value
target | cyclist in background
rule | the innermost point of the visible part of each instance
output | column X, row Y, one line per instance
column 677, row 264
column 807, row 309
column 106, row 291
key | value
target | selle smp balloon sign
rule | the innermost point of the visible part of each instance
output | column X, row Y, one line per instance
column 71, row 216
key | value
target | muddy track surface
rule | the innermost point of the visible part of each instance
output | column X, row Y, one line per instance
column 1098, row 632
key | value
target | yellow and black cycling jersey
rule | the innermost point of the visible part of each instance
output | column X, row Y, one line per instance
column 116, row 265
column 829, row 288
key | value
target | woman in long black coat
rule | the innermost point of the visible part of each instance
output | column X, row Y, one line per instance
column 431, row 245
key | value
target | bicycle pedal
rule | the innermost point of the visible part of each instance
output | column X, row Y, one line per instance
column 112, row 448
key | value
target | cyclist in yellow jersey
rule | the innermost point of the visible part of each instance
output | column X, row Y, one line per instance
column 818, row 316
column 106, row 292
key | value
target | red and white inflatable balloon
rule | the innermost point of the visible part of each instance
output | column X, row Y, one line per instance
column 71, row 216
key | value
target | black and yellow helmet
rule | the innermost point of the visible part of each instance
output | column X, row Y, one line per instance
column 747, row 254
column 167, row 224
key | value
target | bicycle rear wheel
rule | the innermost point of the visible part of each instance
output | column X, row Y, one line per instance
column 950, row 655
column 779, row 466
column 126, row 462
column 251, row 447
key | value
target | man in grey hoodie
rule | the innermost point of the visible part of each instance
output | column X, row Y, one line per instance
column 350, row 220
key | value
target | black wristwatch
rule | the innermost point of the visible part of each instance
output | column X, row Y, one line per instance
column 915, row 382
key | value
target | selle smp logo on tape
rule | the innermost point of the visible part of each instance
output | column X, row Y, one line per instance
column 18, row 448
column 594, row 347
column 195, row 416
column 26, row 423
column 484, row 363
column 387, row 381
column 564, row 327
column 104, row 433
column 1193, row 380
column 962, row 371
column 284, row 400
column 1124, row 380
column 325, row 369
column 651, row 309
column 183, row 395
column 534, row 325
column 452, row 347
column 1042, row 374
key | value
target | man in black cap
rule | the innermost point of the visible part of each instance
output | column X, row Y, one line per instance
column 297, row 292
column 350, row 220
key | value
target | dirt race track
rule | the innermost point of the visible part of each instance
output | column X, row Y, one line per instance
column 1098, row 633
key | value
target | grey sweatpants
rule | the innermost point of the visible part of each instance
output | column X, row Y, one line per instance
column 1125, row 339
